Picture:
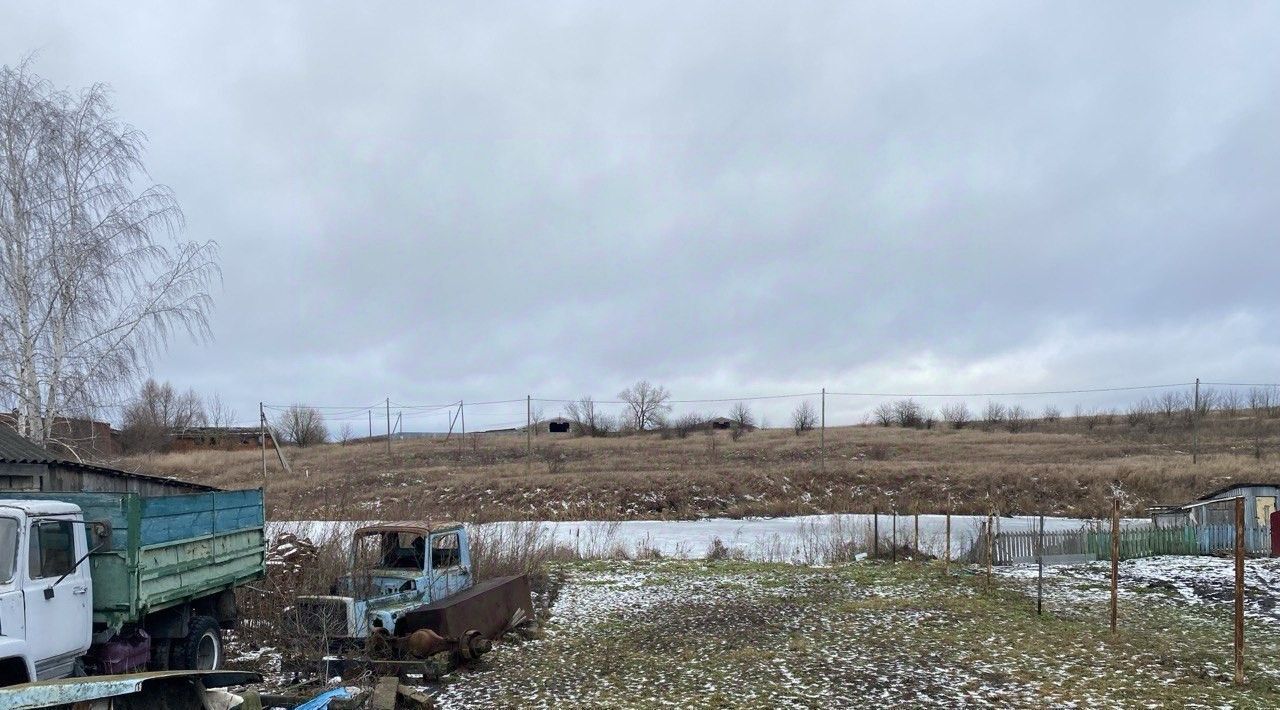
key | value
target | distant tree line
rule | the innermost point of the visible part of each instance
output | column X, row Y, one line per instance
column 159, row 411
column 1169, row 408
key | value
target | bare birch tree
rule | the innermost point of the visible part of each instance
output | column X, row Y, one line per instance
column 94, row 280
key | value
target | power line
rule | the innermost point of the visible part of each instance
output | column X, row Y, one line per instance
column 1009, row 394
column 340, row 411
column 748, row 398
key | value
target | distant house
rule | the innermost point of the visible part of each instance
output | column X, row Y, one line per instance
column 720, row 423
column 27, row 467
column 231, row 438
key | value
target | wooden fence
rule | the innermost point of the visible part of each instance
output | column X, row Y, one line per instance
column 1145, row 542
column 1219, row 539
column 1095, row 544
column 1059, row 547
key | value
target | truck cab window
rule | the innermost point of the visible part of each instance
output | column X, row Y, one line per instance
column 8, row 548
column 444, row 552
column 52, row 552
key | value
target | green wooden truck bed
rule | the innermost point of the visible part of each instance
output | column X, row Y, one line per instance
column 167, row 550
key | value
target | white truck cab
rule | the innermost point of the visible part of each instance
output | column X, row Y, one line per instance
column 46, row 594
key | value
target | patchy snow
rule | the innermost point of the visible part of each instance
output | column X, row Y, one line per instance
column 1187, row 579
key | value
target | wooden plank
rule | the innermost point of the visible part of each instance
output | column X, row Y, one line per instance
column 415, row 698
column 384, row 693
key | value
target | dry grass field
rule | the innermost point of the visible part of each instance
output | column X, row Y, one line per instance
column 1069, row 467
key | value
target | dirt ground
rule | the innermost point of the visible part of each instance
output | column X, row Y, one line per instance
column 738, row 634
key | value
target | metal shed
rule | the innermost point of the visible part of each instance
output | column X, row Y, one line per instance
column 25, row 466
column 1213, row 515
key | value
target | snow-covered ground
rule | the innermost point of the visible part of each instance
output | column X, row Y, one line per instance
column 1208, row 581
column 689, row 634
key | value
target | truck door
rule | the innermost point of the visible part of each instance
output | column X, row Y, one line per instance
column 446, row 572
column 59, row 613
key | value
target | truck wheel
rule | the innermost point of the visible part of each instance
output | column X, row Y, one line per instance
column 201, row 650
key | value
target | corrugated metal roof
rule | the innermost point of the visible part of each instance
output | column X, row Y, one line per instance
column 1218, row 493
column 15, row 449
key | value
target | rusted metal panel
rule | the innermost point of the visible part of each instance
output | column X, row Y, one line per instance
column 56, row 693
column 486, row 607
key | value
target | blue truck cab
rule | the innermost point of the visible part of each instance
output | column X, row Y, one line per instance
column 411, row 589
column 396, row 567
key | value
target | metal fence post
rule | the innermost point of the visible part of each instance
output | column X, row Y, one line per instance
column 1239, row 610
column 916, row 554
column 875, row 533
column 991, row 545
column 895, row 535
column 1115, row 561
column 1040, row 570
column 946, row 555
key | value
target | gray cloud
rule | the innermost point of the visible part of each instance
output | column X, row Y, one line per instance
column 442, row 202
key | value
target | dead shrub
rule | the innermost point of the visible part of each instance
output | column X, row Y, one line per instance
column 717, row 551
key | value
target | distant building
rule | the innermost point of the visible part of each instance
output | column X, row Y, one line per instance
column 721, row 423
column 1214, row 516
column 27, row 467
column 1218, row 507
column 229, row 438
column 558, row 425
column 85, row 438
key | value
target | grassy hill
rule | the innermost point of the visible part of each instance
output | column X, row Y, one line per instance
column 1068, row 467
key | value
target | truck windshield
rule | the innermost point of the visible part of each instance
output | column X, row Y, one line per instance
column 8, row 548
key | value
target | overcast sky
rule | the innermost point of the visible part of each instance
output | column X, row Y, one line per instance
column 435, row 201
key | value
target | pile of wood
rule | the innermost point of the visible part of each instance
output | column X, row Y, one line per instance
column 290, row 554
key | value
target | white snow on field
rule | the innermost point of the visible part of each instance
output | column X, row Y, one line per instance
column 787, row 539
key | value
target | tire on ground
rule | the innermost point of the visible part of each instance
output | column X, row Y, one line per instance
column 201, row 649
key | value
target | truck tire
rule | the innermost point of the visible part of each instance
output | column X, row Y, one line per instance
column 201, row 650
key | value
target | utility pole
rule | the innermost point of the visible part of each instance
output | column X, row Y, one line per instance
column 822, row 434
column 388, row 426
column 462, row 412
column 371, row 426
column 262, row 434
column 1195, row 425
column 528, row 434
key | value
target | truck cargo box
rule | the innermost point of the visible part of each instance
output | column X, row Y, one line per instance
column 167, row 550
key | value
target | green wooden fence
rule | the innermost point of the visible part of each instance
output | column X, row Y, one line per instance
column 1145, row 542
